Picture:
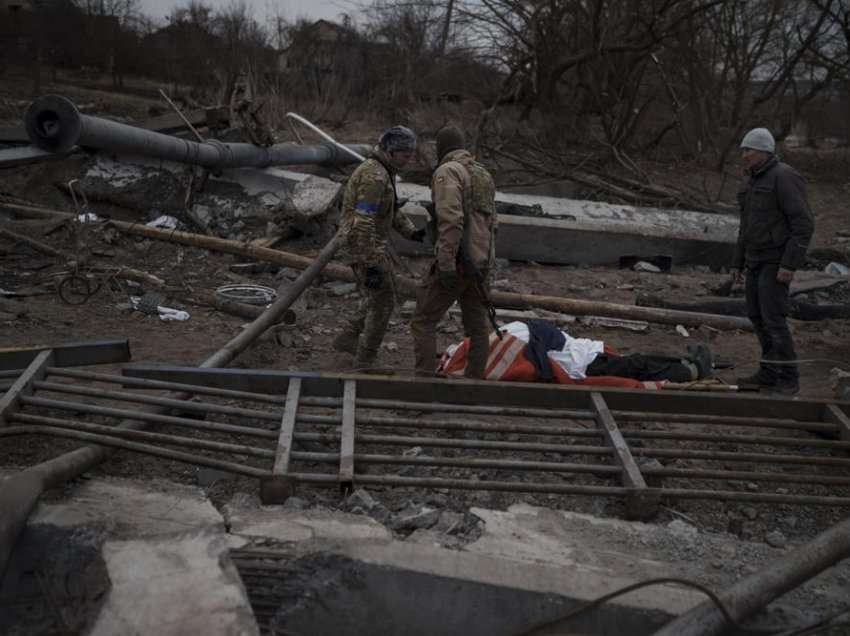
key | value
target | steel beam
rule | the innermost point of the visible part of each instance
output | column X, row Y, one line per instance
column 639, row 505
column 469, row 392
column 23, row 386
column 347, row 437
column 72, row 354
column 279, row 487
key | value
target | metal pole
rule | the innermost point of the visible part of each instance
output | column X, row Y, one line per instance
column 114, row 431
column 146, row 416
column 54, row 123
column 750, row 595
column 109, row 440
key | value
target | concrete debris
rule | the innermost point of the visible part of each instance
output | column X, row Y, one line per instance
column 643, row 266
column 776, row 539
column 415, row 518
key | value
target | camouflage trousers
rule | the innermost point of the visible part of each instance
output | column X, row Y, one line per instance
column 432, row 302
column 364, row 331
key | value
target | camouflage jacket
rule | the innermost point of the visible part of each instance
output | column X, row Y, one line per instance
column 459, row 185
column 369, row 211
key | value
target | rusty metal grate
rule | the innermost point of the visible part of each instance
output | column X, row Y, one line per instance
column 291, row 428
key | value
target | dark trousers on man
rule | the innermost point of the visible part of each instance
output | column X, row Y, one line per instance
column 767, row 309
column 642, row 367
column 432, row 302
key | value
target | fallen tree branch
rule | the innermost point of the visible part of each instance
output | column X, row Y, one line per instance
column 36, row 245
column 409, row 286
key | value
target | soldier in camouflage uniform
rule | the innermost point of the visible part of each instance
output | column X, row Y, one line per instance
column 369, row 210
column 464, row 199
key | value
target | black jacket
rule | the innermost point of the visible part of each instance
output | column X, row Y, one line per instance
column 776, row 220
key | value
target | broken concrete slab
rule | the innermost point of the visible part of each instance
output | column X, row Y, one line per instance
column 287, row 525
column 174, row 585
column 314, row 195
column 124, row 508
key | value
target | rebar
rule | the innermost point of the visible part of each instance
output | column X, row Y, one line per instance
column 182, row 405
column 146, row 416
column 148, row 449
column 124, row 433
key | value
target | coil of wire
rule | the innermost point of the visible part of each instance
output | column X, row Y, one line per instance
column 248, row 294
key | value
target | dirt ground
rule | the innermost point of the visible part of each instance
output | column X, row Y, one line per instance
column 307, row 346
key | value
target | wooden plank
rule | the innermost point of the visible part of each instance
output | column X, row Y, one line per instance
column 640, row 503
column 346, row 451
column 835, row 415
column 35, row 372
column 287, row 428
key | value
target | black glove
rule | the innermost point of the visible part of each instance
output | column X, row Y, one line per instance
column 418, row 235
column 400, row 203
column 374, row 278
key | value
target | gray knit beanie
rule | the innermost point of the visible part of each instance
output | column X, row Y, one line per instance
column 397, row 138
column 759, row 139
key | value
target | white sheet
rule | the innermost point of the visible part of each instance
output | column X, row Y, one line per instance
column 575, row 356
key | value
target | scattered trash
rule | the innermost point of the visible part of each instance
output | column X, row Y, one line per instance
column 644, row 266
column 88, row 217
column 164, row 222
column 166, row 314
column 246, row 293
column 150, row 303
column 680, row 329
column 837, row 269
column 663, row 263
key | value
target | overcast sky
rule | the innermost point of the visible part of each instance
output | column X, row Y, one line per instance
column 263, row 9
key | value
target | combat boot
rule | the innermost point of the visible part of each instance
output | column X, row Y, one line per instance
column 700, row 356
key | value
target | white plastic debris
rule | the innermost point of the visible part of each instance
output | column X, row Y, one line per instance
column 837, row 269
column 164, row 222
column 644, row 266
column 680, row 329
column 88, row 217
column 168, row 315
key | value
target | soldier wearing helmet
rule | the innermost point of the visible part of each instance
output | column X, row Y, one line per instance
column 369, row 210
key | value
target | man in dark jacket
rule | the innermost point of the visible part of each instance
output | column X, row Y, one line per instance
column 776, row 227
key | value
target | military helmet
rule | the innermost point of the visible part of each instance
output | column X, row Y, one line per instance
column 398, row 138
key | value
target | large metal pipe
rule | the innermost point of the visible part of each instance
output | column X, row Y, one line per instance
column 748, row 596
column 20, row 492
column 53, row 123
